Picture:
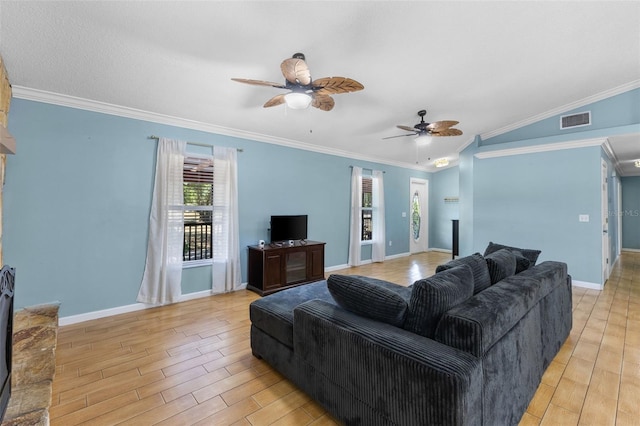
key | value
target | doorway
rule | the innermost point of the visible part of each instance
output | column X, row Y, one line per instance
column 418, row 215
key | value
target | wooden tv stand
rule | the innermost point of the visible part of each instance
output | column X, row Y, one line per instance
column 276, row 267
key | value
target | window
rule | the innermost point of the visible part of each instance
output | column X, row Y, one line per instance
column 367, row 209
column 197, row 176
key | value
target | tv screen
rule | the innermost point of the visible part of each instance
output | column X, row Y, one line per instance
column 291, row 227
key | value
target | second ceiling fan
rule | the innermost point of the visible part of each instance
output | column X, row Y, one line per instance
column 437, row 128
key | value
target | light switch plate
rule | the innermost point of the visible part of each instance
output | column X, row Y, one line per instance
column 583, row 218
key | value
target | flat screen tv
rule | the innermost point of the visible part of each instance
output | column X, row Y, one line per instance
column 289, row 227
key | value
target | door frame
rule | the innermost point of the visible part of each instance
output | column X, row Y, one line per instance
column 606, row 239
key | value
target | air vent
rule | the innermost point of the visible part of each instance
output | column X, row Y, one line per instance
column 575, row 120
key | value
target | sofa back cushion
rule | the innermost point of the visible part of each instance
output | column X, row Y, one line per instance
column 476, row 262
column 370, row 297
column 530, row 254
column 501, row 264
column 431, row 297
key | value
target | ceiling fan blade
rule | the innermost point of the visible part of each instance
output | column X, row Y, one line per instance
column 407, row 128
column 296, row 71
column 438, row 126
column 447, row 132
column 399, row 136
column 276, row 100
column 259, row 82
column 323, row 102
column 335, row 85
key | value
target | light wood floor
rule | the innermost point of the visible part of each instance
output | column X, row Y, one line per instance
column 191, row 363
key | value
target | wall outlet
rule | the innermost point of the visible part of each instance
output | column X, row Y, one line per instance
column 404, row 214
column 390, row 243
column 583, row 218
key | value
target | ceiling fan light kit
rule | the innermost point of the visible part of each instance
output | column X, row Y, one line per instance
column 303, row 90
column 637, row 163
column 422, row 140
column 297, row 100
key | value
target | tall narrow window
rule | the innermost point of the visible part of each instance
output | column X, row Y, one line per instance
column 367, row 209
column 415, row 216
column 198, row 207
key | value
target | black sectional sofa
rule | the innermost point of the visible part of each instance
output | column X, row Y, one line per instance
column 466, row 346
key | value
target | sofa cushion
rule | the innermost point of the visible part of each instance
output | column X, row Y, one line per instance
column 501, row 264
column 530, row 254
column 481, row 278
column 370, row 297
column 431, row 297
column 273, row 314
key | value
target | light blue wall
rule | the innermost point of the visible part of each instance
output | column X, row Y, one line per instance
column 78, row 192
column 444, row 184
column 630, row 212
column 534, row 201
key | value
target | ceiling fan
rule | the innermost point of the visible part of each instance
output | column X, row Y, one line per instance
column 303, row 90
column 437, row 128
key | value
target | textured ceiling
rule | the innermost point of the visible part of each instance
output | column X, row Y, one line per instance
column 489, row 65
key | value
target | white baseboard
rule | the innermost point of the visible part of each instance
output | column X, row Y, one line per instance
column 631, row 250
column 397, row 256
column 336, row 267
column 364, row 262
column 73, row 319
column 441, row 250
column 585, row 284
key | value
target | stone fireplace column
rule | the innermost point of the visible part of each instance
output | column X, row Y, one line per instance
column 5, row 101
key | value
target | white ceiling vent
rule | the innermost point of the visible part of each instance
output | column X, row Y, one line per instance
column 575, row 120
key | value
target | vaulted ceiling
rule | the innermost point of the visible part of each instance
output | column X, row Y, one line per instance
column 489, row 65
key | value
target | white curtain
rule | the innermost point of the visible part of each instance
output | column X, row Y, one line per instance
column 378, row 236
column 225, row 245
column 163, row 269
column 356, row 216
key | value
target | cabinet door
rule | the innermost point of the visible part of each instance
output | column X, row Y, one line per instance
column 316, row 262
column 296, row 266
column 272, row 270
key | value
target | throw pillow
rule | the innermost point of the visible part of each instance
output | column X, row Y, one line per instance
column 481, row 278
column 367, row 297
column 522, row 263
column 530, row 254
column 501, row 264
column 432, row 297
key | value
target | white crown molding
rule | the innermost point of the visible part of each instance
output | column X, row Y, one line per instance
column 43, row 96
column 560, row 110
column 541, row 148
column 606, row 146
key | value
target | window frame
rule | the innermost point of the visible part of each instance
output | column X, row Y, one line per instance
column 195, row 208
column 366, row 209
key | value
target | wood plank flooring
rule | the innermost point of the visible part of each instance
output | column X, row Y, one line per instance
column 190, row 363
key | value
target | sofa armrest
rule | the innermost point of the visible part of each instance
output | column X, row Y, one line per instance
column 399, row 376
